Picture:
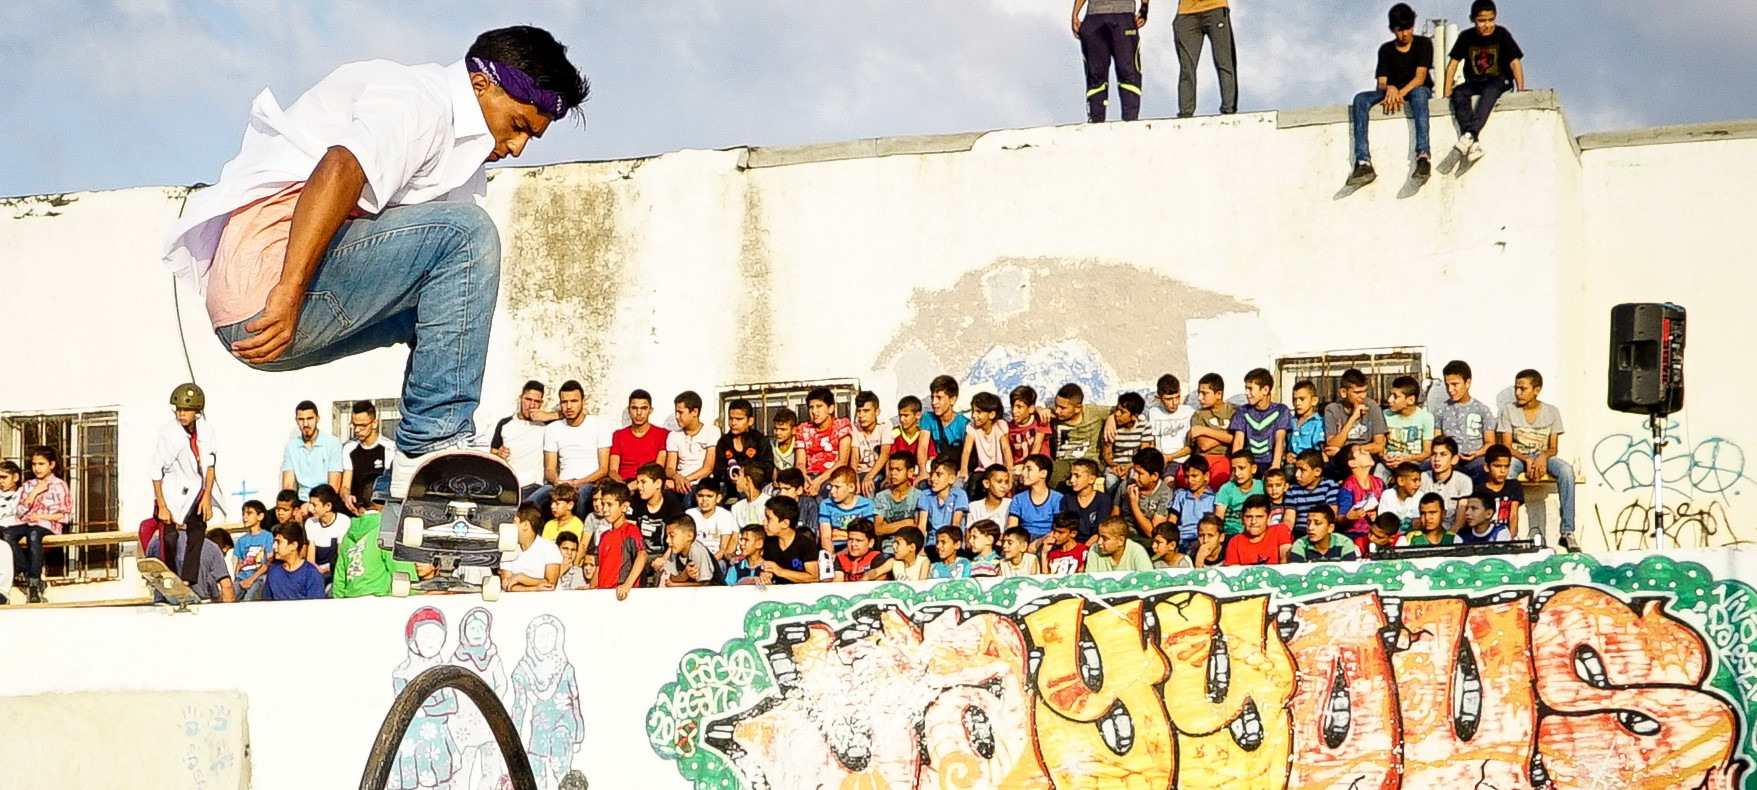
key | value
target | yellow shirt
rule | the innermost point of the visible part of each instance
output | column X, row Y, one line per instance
column 1198, row 6
column 554, row 528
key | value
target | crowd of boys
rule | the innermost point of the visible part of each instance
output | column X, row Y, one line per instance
column 1022, row 488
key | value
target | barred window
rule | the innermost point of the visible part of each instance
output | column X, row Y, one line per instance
column 87, row 443
column 772, row 397
column 1325, row 370
column 389, row 415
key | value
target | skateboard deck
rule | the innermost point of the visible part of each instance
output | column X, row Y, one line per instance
column 166, row 584
column 458, row 512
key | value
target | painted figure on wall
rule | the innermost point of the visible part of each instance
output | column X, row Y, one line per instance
column 546, row 701
column 428, row 756
column 477, row 652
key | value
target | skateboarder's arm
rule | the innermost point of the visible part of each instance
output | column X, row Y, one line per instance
column 332, row 192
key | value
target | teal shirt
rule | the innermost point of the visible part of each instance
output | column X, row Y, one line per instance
column 1233, row 499
column 1134, row 559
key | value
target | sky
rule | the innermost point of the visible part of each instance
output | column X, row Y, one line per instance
column 103, row 94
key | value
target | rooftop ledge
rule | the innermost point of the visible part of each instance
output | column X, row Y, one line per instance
column 1541, row 100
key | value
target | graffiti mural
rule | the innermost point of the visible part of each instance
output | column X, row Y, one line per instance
column 1563, row 673
column 448, row 744
column 1701, row 481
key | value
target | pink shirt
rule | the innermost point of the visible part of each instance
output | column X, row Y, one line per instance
column 252, row 251
column 53, row 500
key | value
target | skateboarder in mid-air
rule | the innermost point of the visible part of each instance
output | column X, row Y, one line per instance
column 351, row 220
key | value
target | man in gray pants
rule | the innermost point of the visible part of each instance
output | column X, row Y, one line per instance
column 1196, row 19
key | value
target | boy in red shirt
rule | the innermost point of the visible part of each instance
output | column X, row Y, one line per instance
column 621, row 551
column 824, row 440
column 640, row 443
column 1258, row 544
column 1064, row 554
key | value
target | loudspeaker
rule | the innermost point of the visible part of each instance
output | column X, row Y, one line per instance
column 1647, row 358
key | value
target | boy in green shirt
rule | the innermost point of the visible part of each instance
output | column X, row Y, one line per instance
column 1115, row 551
column 363, row 568
column 1430, row 524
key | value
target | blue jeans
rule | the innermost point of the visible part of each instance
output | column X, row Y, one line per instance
column 1364, row 102
column 425, row 275
column 1488, row 91
column 1563, row 473
column 27, row 550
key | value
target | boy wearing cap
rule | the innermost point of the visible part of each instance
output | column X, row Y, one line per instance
column 183, row 479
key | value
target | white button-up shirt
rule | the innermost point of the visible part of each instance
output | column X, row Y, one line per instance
column 179, row 470
column 417, row 131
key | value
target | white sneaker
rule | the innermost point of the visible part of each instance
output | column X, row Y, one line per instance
column 403, row 465
column 1475, row 152
column 1465, row 141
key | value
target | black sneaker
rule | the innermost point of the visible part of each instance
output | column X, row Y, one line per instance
column 1363, row 175
column 1423, row 169
column 36, row 591
column 1569, row 544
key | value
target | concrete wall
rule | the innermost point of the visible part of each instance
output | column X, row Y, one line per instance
column 1102, row 254
column 1616, row 671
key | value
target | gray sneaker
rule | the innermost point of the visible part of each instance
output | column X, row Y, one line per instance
column 1475, row 153
column 403, row 466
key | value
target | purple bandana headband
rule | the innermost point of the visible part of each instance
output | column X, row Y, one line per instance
column 519, row 86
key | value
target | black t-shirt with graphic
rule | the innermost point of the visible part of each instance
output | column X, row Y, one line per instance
column 652, row 522
column 793, row 557
column 1487, row 57
column 1398, row 68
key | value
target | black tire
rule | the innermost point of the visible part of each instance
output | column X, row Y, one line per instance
column 402, row 711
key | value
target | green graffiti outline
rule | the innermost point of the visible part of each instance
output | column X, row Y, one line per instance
column 1688, row 587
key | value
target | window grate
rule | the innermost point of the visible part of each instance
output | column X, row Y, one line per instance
column 772, row 397
column 87, row 443
column 1325, row 370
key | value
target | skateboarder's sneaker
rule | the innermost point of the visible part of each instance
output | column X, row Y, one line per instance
column 1476, row 152
column 1465, row 141
column 1423, row 169
column 1363, row 175
column 403, row 466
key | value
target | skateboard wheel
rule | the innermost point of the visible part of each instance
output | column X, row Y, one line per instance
column 400, row 585
column 491, row 589
column 509, row 537
column 413, row 530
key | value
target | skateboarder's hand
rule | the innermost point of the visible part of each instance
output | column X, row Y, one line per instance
column 271, row 334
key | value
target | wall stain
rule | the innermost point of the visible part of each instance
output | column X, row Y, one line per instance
column 37, row 205
column 754, row 359
column 564, row 273
column 1056, row 300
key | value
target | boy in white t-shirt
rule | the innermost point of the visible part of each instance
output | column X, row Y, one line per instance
column 997, row 480
column 909, row 563
column 539, row 564
column 576, row 448
column 714, row 526
column 689, row 450
column 1168, row 420
column 1016, row 556
column 1404, row 497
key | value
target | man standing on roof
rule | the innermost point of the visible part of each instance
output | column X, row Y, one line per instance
column 1111, row 33
column 352, row 220
column 183, row 480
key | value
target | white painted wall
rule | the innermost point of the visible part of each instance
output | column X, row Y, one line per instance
column 1215, row 243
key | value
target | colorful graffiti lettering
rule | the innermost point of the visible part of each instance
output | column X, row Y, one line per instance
column 1560, row 674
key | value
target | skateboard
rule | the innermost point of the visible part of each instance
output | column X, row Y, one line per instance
column 168, row 588
column 458, row 514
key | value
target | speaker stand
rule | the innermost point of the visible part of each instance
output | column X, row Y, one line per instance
column 1654, row 422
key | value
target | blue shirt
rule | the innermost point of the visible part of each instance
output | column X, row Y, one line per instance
column 1306, row 435
column 1259, row 427
column 252, row 551
column 832, row 516
column 1303, row 499
column 300, row 585
column 940, row 514
column 312, row 464
column 741, row 570
column 1035, row 518
column 947, row 439
column 958, row 568
column 1189, row 508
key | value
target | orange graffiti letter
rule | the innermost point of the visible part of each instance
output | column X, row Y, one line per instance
column 1624, row 688
column 1464, row 687
column 1110, row 731
column 1217, row 674
column 1345, row 729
